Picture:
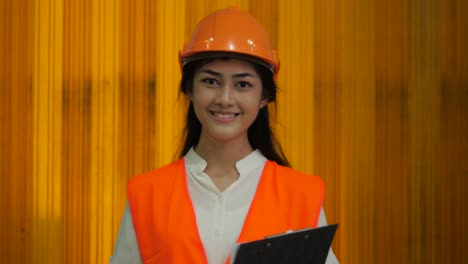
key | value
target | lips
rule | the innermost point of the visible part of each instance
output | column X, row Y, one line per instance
column 224, row 116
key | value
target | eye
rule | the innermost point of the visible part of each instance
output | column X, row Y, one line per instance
column 244, row 85
column 210, row 81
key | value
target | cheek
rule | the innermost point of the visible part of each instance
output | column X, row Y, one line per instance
column 199, row 97
column 251, row 103
column 197, row 106
column 200, row 101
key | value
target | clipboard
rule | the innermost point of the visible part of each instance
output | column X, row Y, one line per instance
column 306, row 246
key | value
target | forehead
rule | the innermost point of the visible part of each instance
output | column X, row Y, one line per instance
column 229, row 65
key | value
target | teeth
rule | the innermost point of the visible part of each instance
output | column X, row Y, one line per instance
column 224, row 115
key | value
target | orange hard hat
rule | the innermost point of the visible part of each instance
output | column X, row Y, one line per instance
column 230, row 31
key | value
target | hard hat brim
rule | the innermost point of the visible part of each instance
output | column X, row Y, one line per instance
column 225, row 54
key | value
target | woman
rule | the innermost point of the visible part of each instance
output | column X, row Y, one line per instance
column 233, row 182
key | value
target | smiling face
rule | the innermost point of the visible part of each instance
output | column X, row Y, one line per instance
column 227, row 95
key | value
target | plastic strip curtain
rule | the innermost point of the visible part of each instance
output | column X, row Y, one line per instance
column 372, row 98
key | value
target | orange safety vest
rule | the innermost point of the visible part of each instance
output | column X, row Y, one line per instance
column 164, row 217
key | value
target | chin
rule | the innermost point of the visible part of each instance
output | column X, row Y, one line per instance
column 227, row 135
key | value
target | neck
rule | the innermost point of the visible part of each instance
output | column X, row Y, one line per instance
column 223, row 153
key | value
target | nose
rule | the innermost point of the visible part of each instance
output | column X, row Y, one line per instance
column 225, row 95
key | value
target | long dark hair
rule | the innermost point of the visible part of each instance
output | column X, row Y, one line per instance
column 260, row 133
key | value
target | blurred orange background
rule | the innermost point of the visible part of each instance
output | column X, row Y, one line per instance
column 373, row 98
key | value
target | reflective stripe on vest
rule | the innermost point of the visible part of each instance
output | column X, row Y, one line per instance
column 164, row 217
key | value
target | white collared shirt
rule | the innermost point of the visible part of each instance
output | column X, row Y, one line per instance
column 219, row 215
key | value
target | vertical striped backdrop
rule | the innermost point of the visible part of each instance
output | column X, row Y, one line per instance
column 374, row 98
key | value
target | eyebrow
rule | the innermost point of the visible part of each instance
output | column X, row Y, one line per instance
column 237, row 75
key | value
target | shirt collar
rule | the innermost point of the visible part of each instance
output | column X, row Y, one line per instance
column 252, row 161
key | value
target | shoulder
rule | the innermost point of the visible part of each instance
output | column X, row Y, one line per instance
column 164, row 174
column 296, row 179
column 299, row 192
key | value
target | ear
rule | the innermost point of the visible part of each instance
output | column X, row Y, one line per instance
column 190, row 96
column 263, row 102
